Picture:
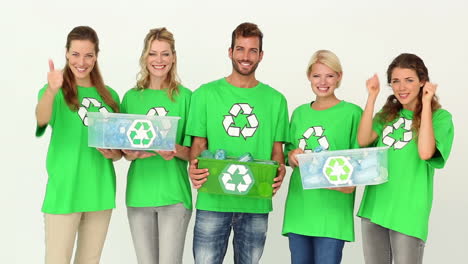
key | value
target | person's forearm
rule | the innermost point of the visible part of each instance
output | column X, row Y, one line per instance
column 277, row 153
column 365, row 133
column 199, row 144
column 426, row 139
column 182, row 152
column 44, row 108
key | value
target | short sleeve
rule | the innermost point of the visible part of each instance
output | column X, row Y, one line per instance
column 196, row 124
column 282, row 129
column 291, row 143
column 377, row 126
column 123, row 105
column 356, row 119
column 187, row 140
column 443, row 133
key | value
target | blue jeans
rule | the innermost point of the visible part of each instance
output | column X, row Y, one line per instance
column 315, row 250
column 211, row 236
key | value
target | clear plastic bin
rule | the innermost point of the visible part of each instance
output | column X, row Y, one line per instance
column 365, row 166
column 232, row 177
column 128, row 131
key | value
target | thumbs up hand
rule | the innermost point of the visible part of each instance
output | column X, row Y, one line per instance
column 54, row 78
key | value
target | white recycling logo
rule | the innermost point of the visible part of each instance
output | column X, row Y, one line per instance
column 338, row 170
column 407, row 135
column 243, row 182
column 246, row 131
column 316, row 131
column 141, row 133
column 166, row 124
column 86, row 103
column 157, row 111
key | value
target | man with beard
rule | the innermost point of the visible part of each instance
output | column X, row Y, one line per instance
column 238, row 114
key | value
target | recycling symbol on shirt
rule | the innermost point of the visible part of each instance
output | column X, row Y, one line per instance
column 157, row 111
column 247, row 130
column 236, row 179
column 401, row 123
column 165, row 124
column 141, row 133
column 316, row 131
column 337, row 170
column 86, row 103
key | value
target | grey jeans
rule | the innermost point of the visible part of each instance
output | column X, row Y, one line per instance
column 158, row 233
column 381, row 245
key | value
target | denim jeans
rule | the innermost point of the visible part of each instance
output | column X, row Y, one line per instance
column 382, row 245
column 315, row 250
column 211, row 236
column 158, row 233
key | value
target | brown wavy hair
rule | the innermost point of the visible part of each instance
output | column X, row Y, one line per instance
column 143, row 79
column 246, row 30
column 392, row 107
column 70, row 91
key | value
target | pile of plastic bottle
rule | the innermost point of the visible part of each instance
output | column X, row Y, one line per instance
column 113, row 134
column 366, row 169
column 221, row 154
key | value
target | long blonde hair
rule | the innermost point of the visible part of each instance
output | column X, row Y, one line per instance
column 172, row 81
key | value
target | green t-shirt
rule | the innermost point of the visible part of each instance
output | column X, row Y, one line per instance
column 321, row 212
column 404, row 203
column 238, row 120
column 81, row 179
column 154, row 181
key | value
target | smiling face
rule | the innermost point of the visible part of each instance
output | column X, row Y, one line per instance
column 406, row 87
column 246, row 55
column 323, row 80
column 160, row 59
column 81, row 57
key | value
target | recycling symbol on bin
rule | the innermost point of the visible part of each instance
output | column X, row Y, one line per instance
column 86, row 103
column 401, row 123
column 141, row 133
column 337, row 170
column 317, row 132
column 236, row 179
column 238, row 110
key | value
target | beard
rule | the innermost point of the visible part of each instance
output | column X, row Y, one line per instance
column 244, row 72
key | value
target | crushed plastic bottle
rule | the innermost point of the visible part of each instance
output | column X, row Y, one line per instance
column 318, row 149
column 220, row 154
column 207, row 154
column 246, row 157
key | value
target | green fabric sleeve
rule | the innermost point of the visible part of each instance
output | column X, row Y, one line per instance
column 356, row 119
column 291, row 142
column 196, row 125
column 443, row 133
column 282, row 129
column 123, row 105
column 187, row 140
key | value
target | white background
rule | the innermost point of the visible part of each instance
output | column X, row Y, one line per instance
column 365, row 34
